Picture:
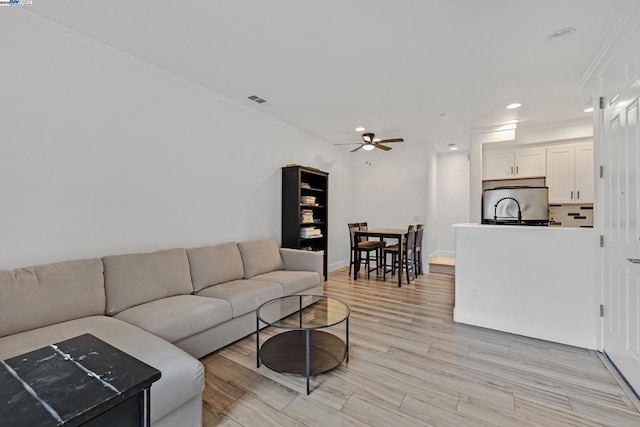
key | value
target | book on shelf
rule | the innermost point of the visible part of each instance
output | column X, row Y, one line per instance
column 308, row 200
column 310, row 232
column 305, row 185
column 307, row 216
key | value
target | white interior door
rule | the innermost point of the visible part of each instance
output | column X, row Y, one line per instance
column 621, row 277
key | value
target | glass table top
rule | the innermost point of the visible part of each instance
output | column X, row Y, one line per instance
column 303, row 312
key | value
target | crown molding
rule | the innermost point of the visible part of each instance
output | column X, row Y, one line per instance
column 630, row 15
column 491, row 129
column 582, row 121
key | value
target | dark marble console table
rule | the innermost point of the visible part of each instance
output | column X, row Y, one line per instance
column 80, row 381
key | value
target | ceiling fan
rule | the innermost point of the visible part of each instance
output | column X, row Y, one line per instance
column 369, row 142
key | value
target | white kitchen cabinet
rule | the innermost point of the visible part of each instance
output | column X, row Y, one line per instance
column 570, row 173
column 527, row 163
column 584, row 165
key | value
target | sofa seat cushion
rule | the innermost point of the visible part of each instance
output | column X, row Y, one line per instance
column 182, row 375
column 293, row 282
column 245, row 296
column 179, row 317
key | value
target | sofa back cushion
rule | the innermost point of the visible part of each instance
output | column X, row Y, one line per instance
column 42, row 295
column 212, row 265
column 260, row 256
column 135, row 279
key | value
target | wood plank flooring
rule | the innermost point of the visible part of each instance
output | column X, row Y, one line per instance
column 410, row 365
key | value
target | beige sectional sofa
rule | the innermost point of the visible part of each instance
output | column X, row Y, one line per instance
column 166, row 308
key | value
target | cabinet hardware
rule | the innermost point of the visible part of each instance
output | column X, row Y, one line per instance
column 511, row 170
column 516, row 170
column 601, row 310
column 571, row 194
column 578, row 195
column 634, row 260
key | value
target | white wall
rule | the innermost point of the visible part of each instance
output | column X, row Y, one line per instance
column 452, row 200
column 430, row 242
column 390, row 188
column 104, row 154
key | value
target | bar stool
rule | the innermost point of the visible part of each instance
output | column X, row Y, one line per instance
column 365, row 247
column 417, row 251
column 407, row 258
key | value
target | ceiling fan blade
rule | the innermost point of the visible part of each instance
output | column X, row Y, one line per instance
column 357, row 148
column 382, row 147
column 392, row 140
column 350, row 143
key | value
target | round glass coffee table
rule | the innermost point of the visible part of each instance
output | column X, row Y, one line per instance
column 304, row 348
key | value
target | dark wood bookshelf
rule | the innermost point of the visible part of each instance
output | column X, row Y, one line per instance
column 293, row 193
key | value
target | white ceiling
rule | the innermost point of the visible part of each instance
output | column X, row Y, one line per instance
column 390, row 66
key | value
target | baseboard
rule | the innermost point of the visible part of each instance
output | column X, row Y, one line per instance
column 445, row 254
column 633, row 390
column 337, row 265
column 540, row 331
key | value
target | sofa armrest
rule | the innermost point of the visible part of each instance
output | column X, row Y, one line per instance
column 299, row 260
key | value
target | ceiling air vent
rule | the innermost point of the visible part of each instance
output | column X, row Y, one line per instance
column 257, row 99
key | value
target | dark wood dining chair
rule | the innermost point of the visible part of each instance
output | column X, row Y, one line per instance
column 407, row 258
column 417, row 251
column 365, row 247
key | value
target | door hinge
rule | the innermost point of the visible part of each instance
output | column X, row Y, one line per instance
column 602, row 241
column 602, row 102
column 601, row 310
column 601, row 171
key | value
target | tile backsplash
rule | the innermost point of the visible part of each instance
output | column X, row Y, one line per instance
column 571, row 215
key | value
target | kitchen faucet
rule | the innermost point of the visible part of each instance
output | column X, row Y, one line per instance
column 495, row 210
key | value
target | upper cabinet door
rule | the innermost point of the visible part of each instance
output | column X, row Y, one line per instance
column 531, row 163
column 584, row 167
column 498, row 165
column 560, row 174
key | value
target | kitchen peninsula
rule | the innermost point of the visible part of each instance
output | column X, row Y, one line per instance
column 534, row 281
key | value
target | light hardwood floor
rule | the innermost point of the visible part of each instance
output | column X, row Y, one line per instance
column 410, row 364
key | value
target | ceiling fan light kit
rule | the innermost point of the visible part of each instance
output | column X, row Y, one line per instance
column 369, row 142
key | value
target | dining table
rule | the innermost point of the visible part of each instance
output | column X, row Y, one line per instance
column 382, row 233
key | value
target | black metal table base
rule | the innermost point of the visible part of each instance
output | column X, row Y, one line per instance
column 289, row 352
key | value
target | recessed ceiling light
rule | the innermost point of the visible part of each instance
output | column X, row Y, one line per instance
column 514, row 105
column 560, row 35
column 359, row 129
column 511, row 122
column 452, row 147
column 588, row 110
